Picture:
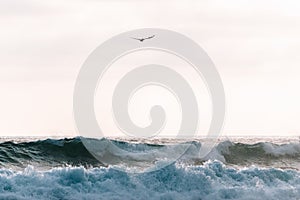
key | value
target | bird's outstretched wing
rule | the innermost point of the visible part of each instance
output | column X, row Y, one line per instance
column 150, row 37
column 136, row 38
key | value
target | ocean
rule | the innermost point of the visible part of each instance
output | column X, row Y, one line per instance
column 236, row 168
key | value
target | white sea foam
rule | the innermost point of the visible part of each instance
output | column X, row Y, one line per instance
column 213, row 180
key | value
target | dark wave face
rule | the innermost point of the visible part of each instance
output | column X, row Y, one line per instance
column 71, row 152
column 46, row 153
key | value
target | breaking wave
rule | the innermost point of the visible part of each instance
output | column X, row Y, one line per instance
column 64, row 169
column 71, row 152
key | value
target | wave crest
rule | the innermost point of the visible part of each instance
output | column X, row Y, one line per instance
column 53, row 153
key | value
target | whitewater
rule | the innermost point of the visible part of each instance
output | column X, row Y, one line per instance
column 239, row 168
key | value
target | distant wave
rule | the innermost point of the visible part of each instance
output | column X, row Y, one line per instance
column 263, row 154
column 212, row 180
column 71, row 152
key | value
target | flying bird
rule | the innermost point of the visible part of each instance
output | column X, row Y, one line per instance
column 142, row 39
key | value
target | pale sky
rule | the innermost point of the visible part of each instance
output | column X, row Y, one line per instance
column 254, row 44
